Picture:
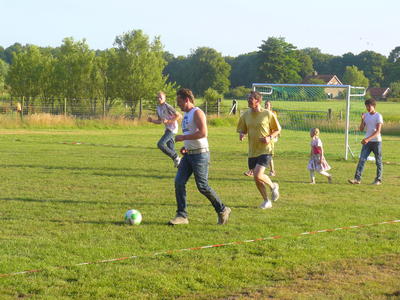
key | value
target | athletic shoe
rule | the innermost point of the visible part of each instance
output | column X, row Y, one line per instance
column 266, row 204
column 224, row 216
column 178, row 220
column 354, row 181
column 275, row 192
column 329, row 179
column 177, row 161
column 377, row 182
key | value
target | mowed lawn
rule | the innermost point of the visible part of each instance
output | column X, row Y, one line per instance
column 63, row 204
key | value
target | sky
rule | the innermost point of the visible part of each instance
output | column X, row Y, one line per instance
column 232, row 27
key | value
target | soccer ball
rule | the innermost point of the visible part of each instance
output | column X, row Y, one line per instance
column 133, row 217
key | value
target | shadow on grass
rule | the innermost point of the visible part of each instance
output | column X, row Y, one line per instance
column 70, row 168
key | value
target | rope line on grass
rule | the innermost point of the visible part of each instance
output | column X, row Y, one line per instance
column 275, row 237
column 92, row 144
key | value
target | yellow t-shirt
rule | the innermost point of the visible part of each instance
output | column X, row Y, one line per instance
column 256, row 125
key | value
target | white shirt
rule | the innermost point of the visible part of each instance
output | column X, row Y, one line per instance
column 370, row 122
column 189, row 127
column 167, row 112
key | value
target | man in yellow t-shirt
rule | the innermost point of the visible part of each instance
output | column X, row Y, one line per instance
column 262, row 127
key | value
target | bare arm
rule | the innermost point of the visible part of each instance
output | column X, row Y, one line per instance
column 362, row 124
column 375, row 134
column 177, row 116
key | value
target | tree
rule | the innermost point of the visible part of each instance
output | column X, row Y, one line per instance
column 26, row 73
column 73, row 69
column 244, row 69
column 207, row 69
column 3, row 74
column 279, row 61
column 372, row 64
column 140, row 65
column 354, row 77
column 394, row 55
column 395, row 89
column 321, row 61
column 306, row 64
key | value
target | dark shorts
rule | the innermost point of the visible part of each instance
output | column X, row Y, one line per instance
column 262, row 160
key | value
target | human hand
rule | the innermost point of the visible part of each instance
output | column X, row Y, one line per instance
column 242, row 136
column 179, row 138
column 364, row 141
column 265, row 139
column 149, row 119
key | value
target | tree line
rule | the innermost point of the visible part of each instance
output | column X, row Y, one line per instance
column 137, row 67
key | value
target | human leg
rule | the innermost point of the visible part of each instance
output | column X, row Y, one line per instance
column 377, row 150
column 167, row 144
column 181, row 178
column 365, row 151
column 200, row 164
column 312, row 177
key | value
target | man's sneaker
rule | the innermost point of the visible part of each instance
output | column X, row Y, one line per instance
column 354, row 181
column 177, row 161
column 224, row 216
column 377, row 182
column 266, row 204
column 275, row 192
column 178, row 220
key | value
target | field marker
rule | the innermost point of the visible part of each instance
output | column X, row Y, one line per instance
column 201, row 247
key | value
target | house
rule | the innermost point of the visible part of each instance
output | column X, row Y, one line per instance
column 328, row 79
column 379, row 93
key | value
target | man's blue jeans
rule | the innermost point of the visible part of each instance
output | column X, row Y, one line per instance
column 167, row 144
column 196, row 164
column 376, row 148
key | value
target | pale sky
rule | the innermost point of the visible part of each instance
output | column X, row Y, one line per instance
column 231, row 27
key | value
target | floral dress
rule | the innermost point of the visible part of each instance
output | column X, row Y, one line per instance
column 316, row 163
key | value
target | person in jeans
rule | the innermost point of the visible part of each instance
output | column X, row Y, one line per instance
column 262, row 127
column 195, row 160
column 168, row 116
column 372, row 142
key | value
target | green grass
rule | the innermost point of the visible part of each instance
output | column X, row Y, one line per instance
column 64, row 204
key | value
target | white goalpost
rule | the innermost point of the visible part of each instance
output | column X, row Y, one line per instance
column 334, row 108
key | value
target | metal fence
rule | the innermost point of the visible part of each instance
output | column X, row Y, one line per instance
column 100, row 108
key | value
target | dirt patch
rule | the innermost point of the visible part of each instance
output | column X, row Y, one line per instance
column 374, row 278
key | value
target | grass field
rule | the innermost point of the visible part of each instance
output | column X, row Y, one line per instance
column 63, row 204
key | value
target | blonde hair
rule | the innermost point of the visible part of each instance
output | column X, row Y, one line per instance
column 314, row 131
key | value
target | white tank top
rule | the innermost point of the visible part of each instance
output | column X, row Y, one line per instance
column 189, row 127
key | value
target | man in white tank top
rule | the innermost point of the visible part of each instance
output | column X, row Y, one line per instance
column 195, row 160
column 372, row 123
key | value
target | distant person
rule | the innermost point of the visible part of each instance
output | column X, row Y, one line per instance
column 317, row 161
column 372, row 142
column 18, row 108
column 168, row 116
column 195, row 160
column 262, row 127
column 272, row 173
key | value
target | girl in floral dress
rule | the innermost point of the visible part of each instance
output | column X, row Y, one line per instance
column 317, row 161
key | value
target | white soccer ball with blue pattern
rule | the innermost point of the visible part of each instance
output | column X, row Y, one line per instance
column 133, row 217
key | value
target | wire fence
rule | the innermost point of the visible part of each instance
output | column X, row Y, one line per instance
column 100, row 108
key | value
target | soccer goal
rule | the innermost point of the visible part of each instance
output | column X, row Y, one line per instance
column 334, row 109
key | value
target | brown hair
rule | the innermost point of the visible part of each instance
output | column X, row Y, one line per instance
column 371, row 102
column 185, row 93
column 255, row 95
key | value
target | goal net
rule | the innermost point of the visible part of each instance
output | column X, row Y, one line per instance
column 334, row 109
